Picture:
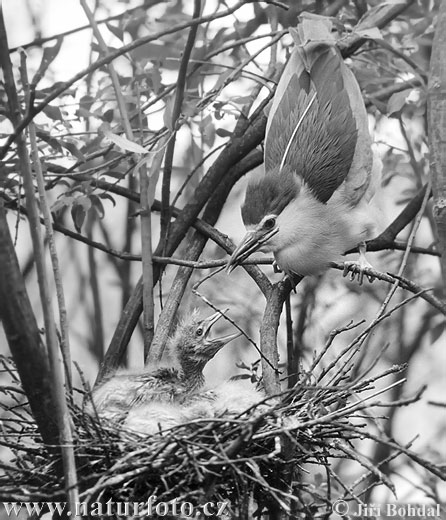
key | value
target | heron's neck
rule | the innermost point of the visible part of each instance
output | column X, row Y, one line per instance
column 192, row 375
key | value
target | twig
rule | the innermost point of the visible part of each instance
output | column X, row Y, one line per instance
column 65, row 340
column 176, row 112
column 38, row 42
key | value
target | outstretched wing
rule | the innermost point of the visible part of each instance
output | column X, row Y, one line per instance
column 317, row 125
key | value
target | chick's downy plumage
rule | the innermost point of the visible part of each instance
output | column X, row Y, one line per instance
column 189, row 349
column 312, row 203
column 230, row 399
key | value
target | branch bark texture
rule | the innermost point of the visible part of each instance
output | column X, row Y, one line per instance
column 437, row 131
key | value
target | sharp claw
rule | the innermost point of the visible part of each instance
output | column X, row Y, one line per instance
column 358, row 271
column 276, row 267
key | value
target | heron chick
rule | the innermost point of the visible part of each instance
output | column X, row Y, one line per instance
column 312, row 203
column 189, row 349
column 229, row 399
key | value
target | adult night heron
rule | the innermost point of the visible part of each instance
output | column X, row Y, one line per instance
column 312, row 203
column 189, row 349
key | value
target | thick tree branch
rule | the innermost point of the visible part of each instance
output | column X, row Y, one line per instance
column 23, row 337
column 437, row 131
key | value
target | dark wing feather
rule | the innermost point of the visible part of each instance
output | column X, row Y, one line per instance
column 321, row 151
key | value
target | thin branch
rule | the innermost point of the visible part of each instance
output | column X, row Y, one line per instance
column 49, row 232
column 176, row 112
column 38, row 42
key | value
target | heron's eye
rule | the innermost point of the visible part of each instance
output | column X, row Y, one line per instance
column 269, row 223
column 199, row 331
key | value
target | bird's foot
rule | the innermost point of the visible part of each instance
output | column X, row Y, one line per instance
column 276, row 267
column 360, row 267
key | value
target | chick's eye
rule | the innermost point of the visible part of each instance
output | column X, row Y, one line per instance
column 199, row 332
column 269, row 223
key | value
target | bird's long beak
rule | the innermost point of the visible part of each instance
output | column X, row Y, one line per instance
column 213, row 345
column 251, row 242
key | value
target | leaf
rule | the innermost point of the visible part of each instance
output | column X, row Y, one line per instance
column 106, row 195
column 108, row 115
column 79, row 211
column 437, row 331
column 81, row 112
column 64, row 201
column 97, row 48
column 53, row 113
column 189, row 108
column 241, row 100
column 371, row 33
column 318, row 479
column 207, row 129
column 85, row 102
column 222, row 132
column 116, row 31
column 73, row 149
column 97, row 205
column 49, row 54
column 124, row 143
column 222, row 80
column 160, row 51
column 52, row 141
column 397, row 101
column 78, row 215
column 167, row 115
column 154, row 78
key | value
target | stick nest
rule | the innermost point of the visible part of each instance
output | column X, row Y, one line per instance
column 279, row 454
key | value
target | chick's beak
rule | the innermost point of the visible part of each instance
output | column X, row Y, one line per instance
column 251, row 242
column 212, row 345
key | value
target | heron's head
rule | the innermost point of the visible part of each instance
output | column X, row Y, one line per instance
column 264, row 213
column 194, row 344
